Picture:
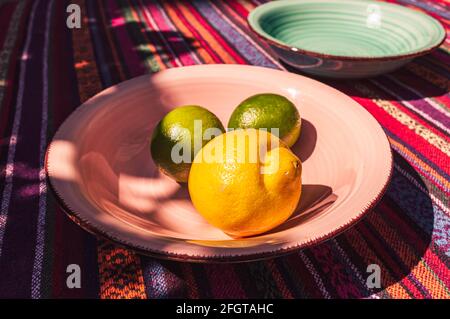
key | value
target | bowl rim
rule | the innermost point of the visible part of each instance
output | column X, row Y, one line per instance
column 212, row 258
column 282, row 45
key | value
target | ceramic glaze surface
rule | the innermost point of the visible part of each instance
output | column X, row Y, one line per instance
column 338, row 35
column 100, row 166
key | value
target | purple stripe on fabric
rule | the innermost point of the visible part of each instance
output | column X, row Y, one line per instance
column 361, row 263
column 12, row 140
column 351, row 269
column 16, row 260
column 314, row 273
column 333, row 273
column 421, row 85
column 414, row 103
column 154, row 277
column 420, row 209
column 222, row 10
column 40, row 243
column 437, row 187
column 428, row 6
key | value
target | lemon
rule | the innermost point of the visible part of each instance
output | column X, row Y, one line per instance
column 179, row 136
column 268, row 111
column 245, row 182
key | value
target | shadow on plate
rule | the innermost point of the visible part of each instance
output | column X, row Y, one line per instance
column 314, row 199
column 306, row 143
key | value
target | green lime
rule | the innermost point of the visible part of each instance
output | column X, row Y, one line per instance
column 179, row 136
column 268, row 111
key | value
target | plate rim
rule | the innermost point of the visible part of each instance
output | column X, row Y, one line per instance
column 211, row 258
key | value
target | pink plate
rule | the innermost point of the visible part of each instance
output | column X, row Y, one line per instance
column 99, row 163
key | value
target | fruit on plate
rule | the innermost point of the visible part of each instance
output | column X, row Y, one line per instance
column 268, row 111
column 245, row 182
column 179, row 136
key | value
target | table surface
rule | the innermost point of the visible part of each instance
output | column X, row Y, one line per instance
column 47, row 70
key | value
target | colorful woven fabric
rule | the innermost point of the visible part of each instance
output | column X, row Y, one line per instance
column 47, row 70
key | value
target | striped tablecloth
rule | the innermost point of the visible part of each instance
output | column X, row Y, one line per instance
column 47, row 70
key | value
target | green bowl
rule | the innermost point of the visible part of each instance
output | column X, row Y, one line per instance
column 345, row 38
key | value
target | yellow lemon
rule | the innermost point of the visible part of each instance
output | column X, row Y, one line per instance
column 245, row 182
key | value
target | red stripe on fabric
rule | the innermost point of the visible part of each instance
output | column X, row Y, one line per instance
column 407, row 256
column 217, row 36
column 242, row 11
column 429, row 175
column 204, row 44
column 386, row 96
column 172, row 45
column 179, row 49
column 241, row 23
column 380, row 250
column 365, row 252
column 159, row 60
column 406, row 229
column 278, row 278
column 418, row 108
column 405, row 134
column 420, row 85
column 191, row 286
column 444, row 99
column 417, row 8
column 438, row 267
column 118, row 24
column 116, row 68
column 420, row 120
column 159, row 41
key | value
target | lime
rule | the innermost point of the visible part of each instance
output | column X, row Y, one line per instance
column 268, row 111
column 179, row 136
